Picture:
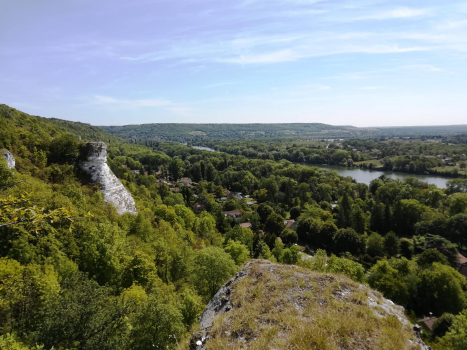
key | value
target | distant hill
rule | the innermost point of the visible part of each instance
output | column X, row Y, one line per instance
column 199, row 132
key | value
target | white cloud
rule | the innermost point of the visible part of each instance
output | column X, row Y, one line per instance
column 423, row 67
column 220, row 84
column 135, row 104
column 271, row 57
column 132, row 104
column 371, row 88
column 403, row 12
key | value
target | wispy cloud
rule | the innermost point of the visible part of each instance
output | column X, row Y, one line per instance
column 403, row 12
column 143, row 103
column 132, row 104
column 210, row 86
column 423, row 67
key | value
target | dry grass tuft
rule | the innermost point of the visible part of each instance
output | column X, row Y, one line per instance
column 287, row 307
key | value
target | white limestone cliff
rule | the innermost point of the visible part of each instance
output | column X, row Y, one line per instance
column 94, row 163
column 10, row 160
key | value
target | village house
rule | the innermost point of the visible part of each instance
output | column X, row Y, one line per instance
column 246, row 225
column 136, row 172
column 290, row 224
column 198, row 207
column 235, row 214
column 186, row 181
column 428, row 321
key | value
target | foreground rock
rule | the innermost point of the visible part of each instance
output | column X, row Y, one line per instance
column 10, row 160
column 93, row 161
column 270, row 306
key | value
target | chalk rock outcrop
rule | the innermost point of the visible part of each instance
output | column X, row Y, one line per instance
column 10, row 160
column 271, row 306
column 93, row 161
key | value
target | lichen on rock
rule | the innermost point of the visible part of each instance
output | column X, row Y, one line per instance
column 93, row 162
column 10, row 160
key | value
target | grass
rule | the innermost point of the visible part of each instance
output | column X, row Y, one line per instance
column 375, row 162
column 286, row 307
column 450, row 169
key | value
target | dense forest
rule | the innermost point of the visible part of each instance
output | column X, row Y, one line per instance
column 76, row 275
column 297, row 131
column 445, row 155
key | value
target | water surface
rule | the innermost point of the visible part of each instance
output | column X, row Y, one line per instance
column 366, row 176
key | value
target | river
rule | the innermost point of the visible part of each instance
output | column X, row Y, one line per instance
column 201, row 148
column 366, row 176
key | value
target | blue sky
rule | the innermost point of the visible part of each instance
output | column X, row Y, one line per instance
column 362, row 63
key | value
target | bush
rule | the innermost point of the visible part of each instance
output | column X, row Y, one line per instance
column 406, row 248
column 347, row 240
column 441, row 325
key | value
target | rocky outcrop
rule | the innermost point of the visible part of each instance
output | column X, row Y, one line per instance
column 93, row 162
column 275, row 306
column 10, row 160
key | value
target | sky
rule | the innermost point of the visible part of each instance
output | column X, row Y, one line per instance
column 340, row 62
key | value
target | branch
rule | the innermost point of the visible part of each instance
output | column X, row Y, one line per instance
column 15, row 222
column 2, row 204
column 14, row 184
column 32, row 220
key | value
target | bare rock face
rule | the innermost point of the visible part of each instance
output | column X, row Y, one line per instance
column 10, row 160
column 94, row 163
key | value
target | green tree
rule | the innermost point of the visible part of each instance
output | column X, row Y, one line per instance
column 278, row 251
column 391, row 244
column 238, row 252
column 274, row 224
column 429, row 256
column 406, row 248
column 386, row 279
column 457, row 229
column 347, row 240
column 456, row 337
column 158, row 325
column 83, row 316
column 458, row 203
column 377, row 218
column 289, row 236
column 441, row 289
column 358, row 219
column 444, row 246
column 291, row 255
column 210, row 269
column 63, row 149
column 375, row 245
column 6, row 174
column 442, row 325
column 344, row 214
column 325, row 235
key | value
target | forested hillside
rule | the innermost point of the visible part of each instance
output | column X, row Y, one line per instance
column 76, row 275
column 208, row 132
column 195, row 132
